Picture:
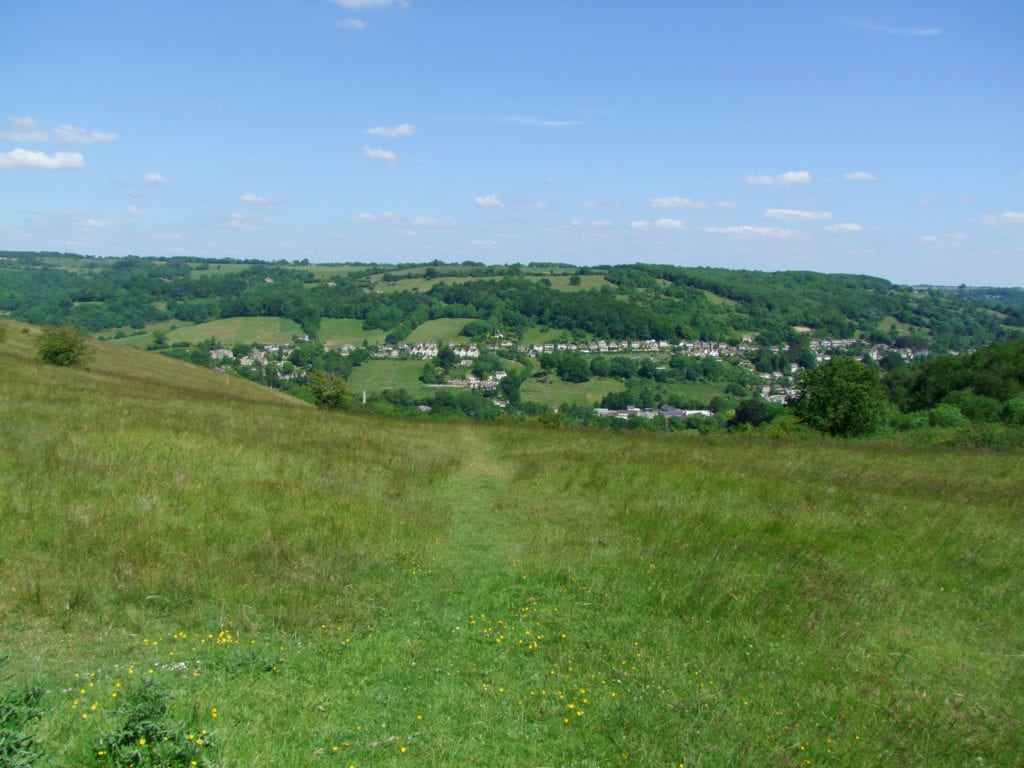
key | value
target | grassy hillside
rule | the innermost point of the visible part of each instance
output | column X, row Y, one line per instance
column 194, row 568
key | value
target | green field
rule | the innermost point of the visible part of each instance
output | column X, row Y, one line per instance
column 335, row 332
column 553, row 391
column 239, row 330
column 195, row 568
column 445, row 329
column 375, row 376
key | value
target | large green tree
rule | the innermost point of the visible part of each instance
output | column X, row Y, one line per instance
column 842, row 397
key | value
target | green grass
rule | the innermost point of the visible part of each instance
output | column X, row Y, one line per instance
column 446, row 329
column 237, row 330
column 336, row 332
column 553, row 391
column 311, row 588
column 377, row 375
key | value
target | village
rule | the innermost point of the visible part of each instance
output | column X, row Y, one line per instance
column 776, row 385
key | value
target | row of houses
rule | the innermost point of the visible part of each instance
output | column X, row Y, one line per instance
column 668, row 411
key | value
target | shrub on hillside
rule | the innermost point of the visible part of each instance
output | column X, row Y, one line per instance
column 64, row 346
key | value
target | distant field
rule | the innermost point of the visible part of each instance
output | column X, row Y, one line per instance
column 335, row 332
column 561, row 282
column 377, row 375
column 446, row 329
column 557, row 391
column 422, row 285
column 535, row 335
column 891, row 323
column 239, row 330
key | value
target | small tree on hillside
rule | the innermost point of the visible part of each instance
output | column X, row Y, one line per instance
column 842, row 397
column 64, row 346
column 329, row 390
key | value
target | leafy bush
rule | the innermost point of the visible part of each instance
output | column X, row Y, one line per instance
column 64, row 346
column 19, row 705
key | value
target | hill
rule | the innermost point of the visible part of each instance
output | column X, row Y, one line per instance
column 639, row 301
column 190, row 577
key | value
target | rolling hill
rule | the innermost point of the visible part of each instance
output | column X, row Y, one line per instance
column 199, row 568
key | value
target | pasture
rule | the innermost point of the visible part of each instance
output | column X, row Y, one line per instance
column 199, row 569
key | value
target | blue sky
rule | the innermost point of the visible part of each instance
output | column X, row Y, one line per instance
column 876, row 138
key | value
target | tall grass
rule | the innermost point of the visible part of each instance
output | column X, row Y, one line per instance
column 306, row 588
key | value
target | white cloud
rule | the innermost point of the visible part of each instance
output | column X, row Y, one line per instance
column 839, row 229
column 1009, row 218
column 489, row 201
column 393, row 131
column 642, row 225
column 131, row 210
column 602, row 204
column 378, row 217
column 687, row 202
column 380, row 154
column 749, row 232
column 860, row 176
column 356, row 24
column 782, row 180
column 28, row 129
column 94, row 224
column 951, row 238
column 789, row 214
column 24, row 158
column 153, row 178
column 258, row 201
column 884, row 29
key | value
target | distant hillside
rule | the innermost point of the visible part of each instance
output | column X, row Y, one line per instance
column 617, row 302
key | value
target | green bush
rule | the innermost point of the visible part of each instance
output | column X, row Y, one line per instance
column 64, row 346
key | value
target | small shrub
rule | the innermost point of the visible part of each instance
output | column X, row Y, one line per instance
column 19, row 706
column 64, row 346
column 146, row 736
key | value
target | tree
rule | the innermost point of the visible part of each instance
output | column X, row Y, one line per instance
column 842, row 397
column 329, row 390
column 64, row 346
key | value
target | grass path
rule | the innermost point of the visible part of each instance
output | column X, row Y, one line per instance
column 477, row 538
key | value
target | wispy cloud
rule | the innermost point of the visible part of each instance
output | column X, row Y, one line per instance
column 541, row 122
column 393, row 131
column 242, row 221
column 885, row 29
column 747, row 232
column 845, row 228
column 30, row 130
column 782, row 180
column 1007, row 219
column 860, row 176
column 792, row 215
column 642, row 225
column 24, row 158
column 258, row 201
column 354, row 24
column 153, row 178
column 687, row 202
column 950, row 238
column 489, row 201
column 358, row 5
column 383, row 216
column 375, row 153
column 602, row 204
